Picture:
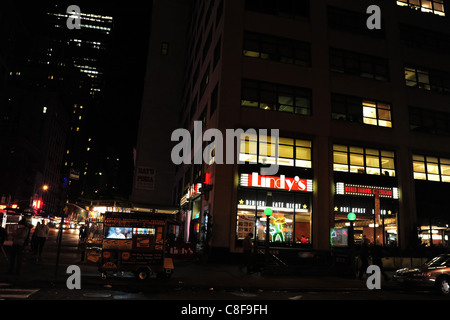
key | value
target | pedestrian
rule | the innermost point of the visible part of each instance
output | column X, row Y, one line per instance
column 3, row 237
column 248, row 248
column 364, row 256
column 41, row 236
column 377, row 257
column 20, row 241
column 34, row 240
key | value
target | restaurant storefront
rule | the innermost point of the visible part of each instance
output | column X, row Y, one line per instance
column 375, row 210
column 289, row 197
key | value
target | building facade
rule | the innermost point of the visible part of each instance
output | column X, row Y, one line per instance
column 363, row 119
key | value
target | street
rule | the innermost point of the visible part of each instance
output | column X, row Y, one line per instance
column 126, row 287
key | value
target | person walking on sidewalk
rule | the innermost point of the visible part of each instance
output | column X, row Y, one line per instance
column 248, row 251
column 20, row 241
column 41, row 235
column 364, row 256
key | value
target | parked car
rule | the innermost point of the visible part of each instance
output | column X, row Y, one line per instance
column 435, row 273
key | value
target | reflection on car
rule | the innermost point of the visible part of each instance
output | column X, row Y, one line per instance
column 435, row 273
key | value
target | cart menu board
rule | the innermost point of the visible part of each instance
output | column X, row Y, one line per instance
column 132, row 239
column 114, row 219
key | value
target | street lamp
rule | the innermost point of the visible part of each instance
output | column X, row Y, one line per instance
column 351, row 241
column 267, row 212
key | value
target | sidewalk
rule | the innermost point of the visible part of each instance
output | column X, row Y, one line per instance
column 187, row 274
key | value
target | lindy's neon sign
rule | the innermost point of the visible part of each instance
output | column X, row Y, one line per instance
column 272, row 182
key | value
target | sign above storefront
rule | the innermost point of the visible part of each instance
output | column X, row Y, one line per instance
column 273, row 182
column 366, row 191
column 193, row 191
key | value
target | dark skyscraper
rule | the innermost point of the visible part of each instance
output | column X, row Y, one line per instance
column 77, row 67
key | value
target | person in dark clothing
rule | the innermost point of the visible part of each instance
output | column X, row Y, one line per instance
column 248, row 248
column 364, row 257
column 20, row 241
column 3, row 237
column 377, row 255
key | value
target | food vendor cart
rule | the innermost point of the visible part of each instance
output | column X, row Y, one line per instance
column 132, row 242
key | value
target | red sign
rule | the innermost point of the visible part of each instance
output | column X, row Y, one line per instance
column 369, row 191
column 272, row 182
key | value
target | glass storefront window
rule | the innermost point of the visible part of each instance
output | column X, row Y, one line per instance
column 382, row 228
column 289, row 222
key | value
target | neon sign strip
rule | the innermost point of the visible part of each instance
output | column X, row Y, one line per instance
column 366, row 191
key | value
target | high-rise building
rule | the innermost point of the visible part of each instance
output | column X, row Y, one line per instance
column 83, row 51
column 51, row 62
column 33, row 123
column 362, row 115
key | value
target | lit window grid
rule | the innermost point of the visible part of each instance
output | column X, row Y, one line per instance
column 291, row 152
column 365, row 160
column 431, row 168
column 377, row 114
column 433, row 6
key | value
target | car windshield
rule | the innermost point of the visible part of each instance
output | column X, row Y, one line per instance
column 439, row 261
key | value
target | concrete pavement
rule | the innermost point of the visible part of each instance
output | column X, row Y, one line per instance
column 187, row 274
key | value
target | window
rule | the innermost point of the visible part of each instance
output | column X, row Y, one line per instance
column 429, row 121
column 430, row 40
column 363, row 160
column 431, row 6
column 275, row 97
column 431, row 168
column 293, row 9
column 377, row 114
column 261, row 149
column 164, row 49
column 356, row 109
column 217, row 51
column 290, row 221
column 428, row 79
column 351, row 21
column 358, row 64
column 214, row 100
column 419, row 78
column 284, row 50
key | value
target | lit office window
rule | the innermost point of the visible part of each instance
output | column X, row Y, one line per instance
column 418, row 78
column 356, row 109
column 377, row 114
column 428, row 79
column 431, row 6
column 363, row 160
column 262, row 149
column 431, row 168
